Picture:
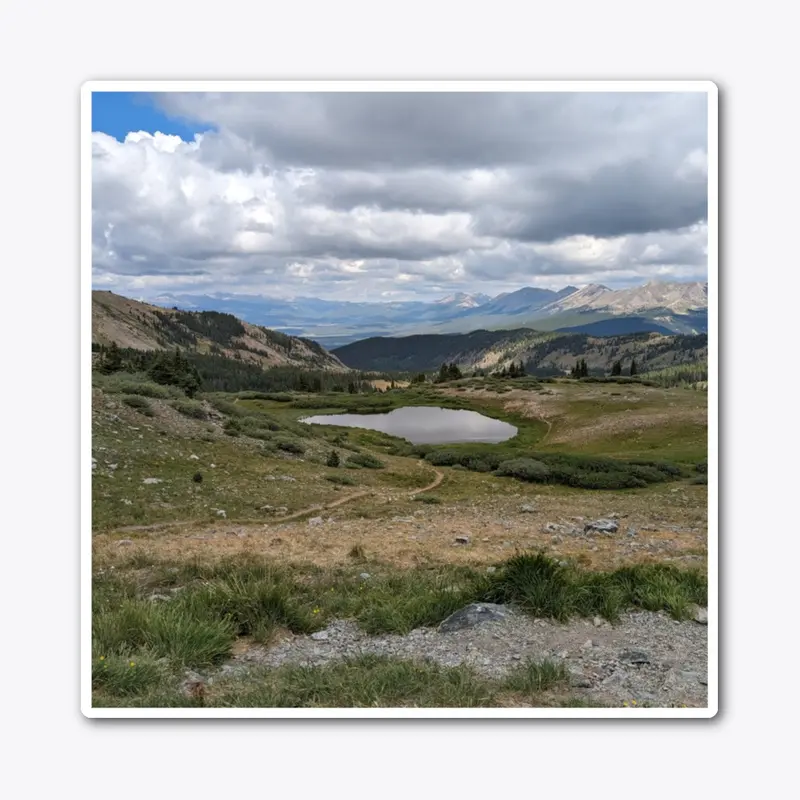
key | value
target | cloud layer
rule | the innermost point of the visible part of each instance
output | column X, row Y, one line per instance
column 370, row 195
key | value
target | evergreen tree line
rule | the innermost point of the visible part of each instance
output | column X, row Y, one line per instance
column 616, row 368
column 514, row 370
column 448, row 372
column 213, row 373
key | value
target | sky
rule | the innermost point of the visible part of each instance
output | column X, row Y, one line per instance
column 395, row 196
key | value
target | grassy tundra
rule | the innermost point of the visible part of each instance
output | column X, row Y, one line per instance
column 202, row 540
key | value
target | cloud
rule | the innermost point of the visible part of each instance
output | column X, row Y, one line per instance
column 376, row 193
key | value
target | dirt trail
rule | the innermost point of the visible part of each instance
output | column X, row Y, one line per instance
column 432, row 485
column 295, row 515
column 312, row 509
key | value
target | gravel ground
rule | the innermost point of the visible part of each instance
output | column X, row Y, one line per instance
column 646, row 657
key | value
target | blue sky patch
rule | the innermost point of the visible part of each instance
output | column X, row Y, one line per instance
column 118, row 113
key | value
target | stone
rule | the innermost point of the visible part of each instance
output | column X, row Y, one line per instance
column 365, row 576
column 598, row 621
column 634, row 657
column 320, row 636
column 124, row 542
column 315, row 521
column 587, row 645
column 152, row 480
column 579, row 680
column 632, row 532
column 194, row 457
column 462, row 539
column 527, row 508
column 601, row 526
column 474, row 614
column 700, row 615
column 160, row 597
column 491, row 569
column 222, row 513
column 616, row 678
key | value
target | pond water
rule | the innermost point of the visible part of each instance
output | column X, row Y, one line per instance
column 425, row 425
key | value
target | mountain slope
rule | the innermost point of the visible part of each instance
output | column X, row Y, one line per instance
column 677, row 298
column 542, row 353
column 141, row 326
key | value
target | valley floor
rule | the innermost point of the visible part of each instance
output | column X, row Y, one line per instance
column 274, row 580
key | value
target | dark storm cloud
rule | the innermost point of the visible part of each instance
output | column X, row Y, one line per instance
column 363, row 189
column 449, row 130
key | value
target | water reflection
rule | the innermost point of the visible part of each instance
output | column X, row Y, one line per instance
column 425, row 424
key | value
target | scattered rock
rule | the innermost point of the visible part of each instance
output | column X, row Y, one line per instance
column 700, row 615
column 579, row 680
column 587, row 645
column 288, row 478
column 222, row 513
column 634, row 657
column 194, row 457
column 527, row 508
column 320, row 636
column 632, row 532
column 552, row 527
column 160, row 597
column 402, row 519
column 124, row 542
column 491, row 569
column 474, row 614
column 601, row 526
column 616, row 678
column 152, row 480
column 315, row 521
column 462, row 539
column 365, row 576
column 265, row 508
column 598, row 622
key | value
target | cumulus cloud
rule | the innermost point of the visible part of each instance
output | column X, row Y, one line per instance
column 381, row 195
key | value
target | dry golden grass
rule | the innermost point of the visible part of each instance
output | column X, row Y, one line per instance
column 670, row 525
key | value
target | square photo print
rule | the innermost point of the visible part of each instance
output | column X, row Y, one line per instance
column 399, row 399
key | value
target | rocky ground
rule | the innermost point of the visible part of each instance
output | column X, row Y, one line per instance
column 647, row 659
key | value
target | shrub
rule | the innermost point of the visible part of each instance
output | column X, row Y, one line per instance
column 430, row 499
column 290, row 446
column 197, row 477
column 333, row 459
column 342, row 480
column 366, row 460
column 525, row 469
column 190, row 408
column 702, row 467
column 357, row 552
column 139, row 404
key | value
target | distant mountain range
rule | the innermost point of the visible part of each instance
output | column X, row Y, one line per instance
column 654, row 306
column 542, row 353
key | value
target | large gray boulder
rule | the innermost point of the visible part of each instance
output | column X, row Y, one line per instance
column 601, row 526
column 474, row 614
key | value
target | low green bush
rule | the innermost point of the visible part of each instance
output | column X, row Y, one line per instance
column 430, row 499
column 342, row 480
column 525, row 469
column 190, row 408
column 138, row 403
column 366, row 460
column 290, row 446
